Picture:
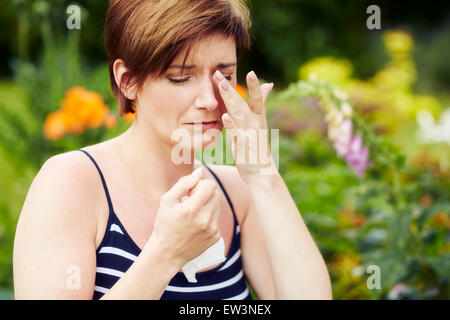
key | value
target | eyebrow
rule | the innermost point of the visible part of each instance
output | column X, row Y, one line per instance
column 220, row 66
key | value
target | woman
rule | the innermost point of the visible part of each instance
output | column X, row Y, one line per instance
column 119, row 219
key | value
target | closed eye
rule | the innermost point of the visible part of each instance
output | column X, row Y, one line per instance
column 186, row 79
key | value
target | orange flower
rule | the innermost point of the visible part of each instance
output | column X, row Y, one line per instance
column 426, row 200
column 129, row 117
column 55, row 125
column 441, row 219
column 87, row 107
column 349, row 218
column 80, row 109
column 358, row 220
column 242, row 91
column 110, row 121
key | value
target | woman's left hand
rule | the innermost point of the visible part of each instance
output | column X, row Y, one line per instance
column 247, row 125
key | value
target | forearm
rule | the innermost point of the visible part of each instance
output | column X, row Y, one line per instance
column 299, row 271
column 147, row 277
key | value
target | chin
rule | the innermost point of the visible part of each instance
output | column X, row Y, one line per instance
column 206, row 139
column 186, row 142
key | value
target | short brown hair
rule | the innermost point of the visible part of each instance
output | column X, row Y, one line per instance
column 148, row 34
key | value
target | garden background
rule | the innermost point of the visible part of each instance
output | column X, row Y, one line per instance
column 364, row 120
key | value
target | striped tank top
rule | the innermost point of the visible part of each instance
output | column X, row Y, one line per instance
column 118, row 251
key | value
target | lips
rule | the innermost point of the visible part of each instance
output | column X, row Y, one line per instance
column 204, row 125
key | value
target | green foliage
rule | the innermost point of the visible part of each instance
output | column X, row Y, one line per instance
column 396, row 217
column 380, row 220
column 38, row 89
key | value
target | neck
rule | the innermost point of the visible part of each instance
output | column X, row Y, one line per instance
column 148, row 163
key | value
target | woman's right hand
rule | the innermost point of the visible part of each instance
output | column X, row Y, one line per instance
column 187, row 228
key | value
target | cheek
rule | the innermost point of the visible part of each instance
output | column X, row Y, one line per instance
column 171, row 103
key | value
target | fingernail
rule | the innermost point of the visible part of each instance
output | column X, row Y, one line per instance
column 184, row 198
column 226, row 117
column 197, row 171
column 219, row 75
column 224, row 84
column 252, row 75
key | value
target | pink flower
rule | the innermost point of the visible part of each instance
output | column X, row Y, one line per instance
column 357, row 156
column 399, row 287
column 340, row 132
column 342, row 137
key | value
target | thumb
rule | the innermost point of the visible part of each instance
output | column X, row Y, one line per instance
column 185, row 184
column 265, row 90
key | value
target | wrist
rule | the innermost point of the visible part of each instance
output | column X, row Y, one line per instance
column 267, row 175
column 158, row 251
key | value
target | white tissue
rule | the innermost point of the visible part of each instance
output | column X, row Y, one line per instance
column 211, row 256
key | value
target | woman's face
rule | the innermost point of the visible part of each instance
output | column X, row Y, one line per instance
column 172, row 104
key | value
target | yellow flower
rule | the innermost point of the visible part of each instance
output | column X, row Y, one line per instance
column 337, row 71
column 344, row 264
column 396, row 76
column 398, row 43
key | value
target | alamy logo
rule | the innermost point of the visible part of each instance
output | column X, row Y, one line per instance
column 374, row 280
column 256, row 151
column 74, row 279
column 74, row 19
column 374, row 20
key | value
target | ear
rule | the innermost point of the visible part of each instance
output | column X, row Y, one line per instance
column 121, row 75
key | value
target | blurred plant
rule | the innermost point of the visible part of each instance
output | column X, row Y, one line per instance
column 348, row 276
column 387, row 220
column 76, row 96
column 395, row 216
column 435, row 158
column 388, row 96
column 431, row 132
column 346, row 130
column 348, row 145
column 396, row 220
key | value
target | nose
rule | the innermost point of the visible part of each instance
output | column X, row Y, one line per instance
column 206, row 98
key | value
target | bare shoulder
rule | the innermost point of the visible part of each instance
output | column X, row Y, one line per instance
column 72, row 171
column 57, row 228
column 65, row 183
column 236, row 188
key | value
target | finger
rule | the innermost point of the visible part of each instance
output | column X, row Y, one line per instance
column 185, row 184
column 228, row 122
column 216, row 212
column 255, row 101
column 238, row 144
column 208, row 215
column 200, row 195
column 266, row 88
column 235, row 104
column 211, row 209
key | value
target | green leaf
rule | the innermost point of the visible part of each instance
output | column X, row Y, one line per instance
column 399, row 225
column 440, row 264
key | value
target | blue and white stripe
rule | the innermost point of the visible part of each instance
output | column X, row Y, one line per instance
column 118, row 251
